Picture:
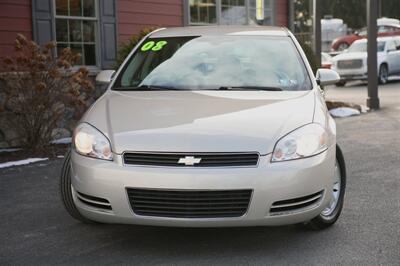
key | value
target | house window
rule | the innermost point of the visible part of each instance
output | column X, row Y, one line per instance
column 230, row 12
column 233, row 12
column 203, row 12
column 76, row 24
column 260, row 12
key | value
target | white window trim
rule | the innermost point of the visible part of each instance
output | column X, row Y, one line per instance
column 187, row 16
column 97, row 42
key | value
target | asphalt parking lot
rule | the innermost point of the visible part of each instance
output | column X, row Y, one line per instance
column 35, row 229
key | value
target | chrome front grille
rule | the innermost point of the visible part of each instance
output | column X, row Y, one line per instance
column 191, row 159
column 349, row 64
column 296, row 204
column 189, row 203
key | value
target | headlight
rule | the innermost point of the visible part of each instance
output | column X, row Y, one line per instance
column 303, row 142
column 89, row 141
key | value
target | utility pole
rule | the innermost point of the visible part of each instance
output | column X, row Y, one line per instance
column 317, row 30
column 372, row 16
column 379, row 8
column 291, row 15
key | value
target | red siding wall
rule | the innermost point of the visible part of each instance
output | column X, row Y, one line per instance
column 15, row 17
column 133, row 15
column 282, row 13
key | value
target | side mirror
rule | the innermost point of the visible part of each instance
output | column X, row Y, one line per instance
column 105, row 76
column 327, row 77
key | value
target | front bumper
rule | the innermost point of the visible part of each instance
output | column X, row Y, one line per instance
column 352, row 74
column 270, row 182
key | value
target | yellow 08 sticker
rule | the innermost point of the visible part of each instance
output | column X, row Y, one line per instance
column 153, row 46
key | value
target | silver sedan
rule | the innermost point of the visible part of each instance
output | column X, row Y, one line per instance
column 205, row 127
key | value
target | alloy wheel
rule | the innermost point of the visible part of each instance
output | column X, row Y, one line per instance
column 335, row 192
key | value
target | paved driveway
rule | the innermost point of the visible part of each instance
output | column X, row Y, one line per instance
column 35, row 229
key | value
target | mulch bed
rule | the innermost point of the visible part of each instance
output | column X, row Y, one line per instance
column 50, row 152
column 336, row 104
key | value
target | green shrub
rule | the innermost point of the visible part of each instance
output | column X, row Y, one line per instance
column 125, row 48
column 311, row 57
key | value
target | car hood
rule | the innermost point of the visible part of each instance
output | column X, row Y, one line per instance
column 199, row 121
column 350, row 56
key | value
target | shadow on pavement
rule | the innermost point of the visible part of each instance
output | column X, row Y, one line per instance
column 186, row 244
column 354, row 84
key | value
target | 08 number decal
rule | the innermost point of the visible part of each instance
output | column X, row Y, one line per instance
column 153, row 46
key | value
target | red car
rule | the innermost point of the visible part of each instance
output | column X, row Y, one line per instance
column 344, row 42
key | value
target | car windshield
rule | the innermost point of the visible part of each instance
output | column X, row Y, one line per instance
column 362, row 47
column 215, row 62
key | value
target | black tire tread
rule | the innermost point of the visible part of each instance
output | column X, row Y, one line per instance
column 341, row 84
column 320, row 223
column 379, row 74
column 66, row 193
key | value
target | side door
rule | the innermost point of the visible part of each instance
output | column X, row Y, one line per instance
column 397, row 54
column 393, row 57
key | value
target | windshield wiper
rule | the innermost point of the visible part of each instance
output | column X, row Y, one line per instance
column 157, row 87
column 146, row 88
column 255, row 88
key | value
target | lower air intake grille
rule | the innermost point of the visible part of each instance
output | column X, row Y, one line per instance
column 295, row 204
column 189, row 203
column 191, row 159
column 95, row 202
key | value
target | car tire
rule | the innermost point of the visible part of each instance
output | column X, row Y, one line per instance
column 66, row 191
column 341, row 84
column 383, row 74
column 327, row 218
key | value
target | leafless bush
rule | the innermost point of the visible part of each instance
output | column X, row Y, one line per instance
column 39, row 87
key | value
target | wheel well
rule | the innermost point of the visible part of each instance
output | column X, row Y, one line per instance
column 340, row 157
column 384, row 64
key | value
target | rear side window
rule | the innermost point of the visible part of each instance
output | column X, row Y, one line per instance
column 391, row 46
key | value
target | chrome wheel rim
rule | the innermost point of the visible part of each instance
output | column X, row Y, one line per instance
column 335, row 192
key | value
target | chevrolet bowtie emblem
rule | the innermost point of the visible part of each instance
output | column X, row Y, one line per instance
column 189, row 160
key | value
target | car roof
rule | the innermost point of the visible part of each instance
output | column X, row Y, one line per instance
column 380, row 39
column 220, row 31
column 390, row 24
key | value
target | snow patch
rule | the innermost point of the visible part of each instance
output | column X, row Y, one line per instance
column 343, row 112
column 9, row 149
column 364, row 109
column 61, row 141
column 22, row 162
